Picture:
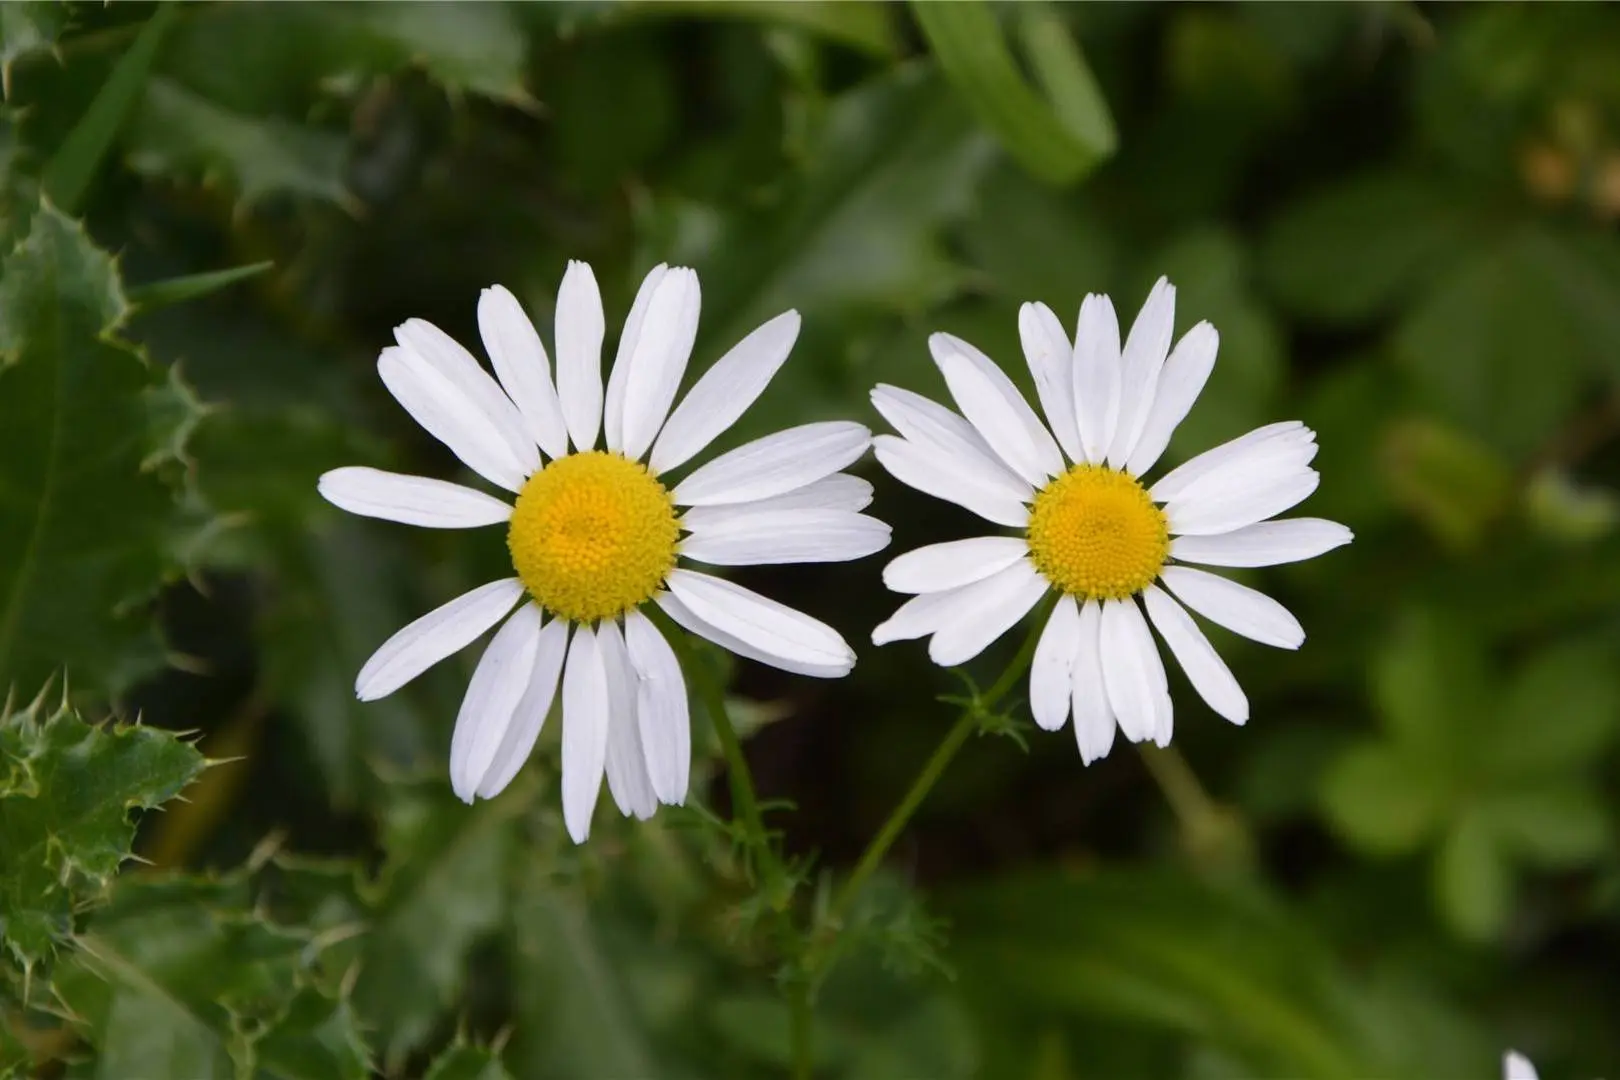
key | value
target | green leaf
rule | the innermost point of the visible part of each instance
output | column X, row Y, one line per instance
column 68, row 175
column 66, row 792
column 1561, row 825
column 158, row 294
column 91, row 472
column 1430, row 682
column 464, row 1061
column 28, row 26
column 316, row 1038
column 1059, row 137
column 1455, row 485
column 1561, row 712
column 1472, row 880
column 1383, row 800
column 859, row 24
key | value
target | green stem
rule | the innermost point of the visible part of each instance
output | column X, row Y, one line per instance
column 799, row 1011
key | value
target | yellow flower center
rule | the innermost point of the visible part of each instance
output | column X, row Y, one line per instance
column 1094, row 533
column 593, row 535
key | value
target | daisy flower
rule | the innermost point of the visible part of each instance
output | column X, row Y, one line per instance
column 1091, row 531
column 597, row 533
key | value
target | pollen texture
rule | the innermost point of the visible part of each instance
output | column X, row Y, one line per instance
column 1095, row 533
column 592, row 536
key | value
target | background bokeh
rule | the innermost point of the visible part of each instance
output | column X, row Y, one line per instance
column 1402, row 220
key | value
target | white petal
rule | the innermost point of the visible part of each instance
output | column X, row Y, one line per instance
column 938, row 567
column 1051, row 682
column 1094, row 723
column 1205, row 669
column 787, row 536
column 492, row 697
column 449, row 415
column 618, row 378
column 923, row 614
column 774, row 629
column 411, row 500
column 585, row 732
column 521, row 364
column 1173, row 483
column 1225, row 513
column 1515, row 1066
column 530, row 715
column 1133, row 674
column 1239, row 608
column 1266, row 543
column 1140, row 365
column 995, row 408
column 455, row 363
column 1004, row 598
column 743, row 647
column 941, row 432
column 1260, row 465
column 775, row 464
column 839, row 491
column 1050, row 355
column 1096, row 376
column 660, row 357
column 948, row 478
column 725, row 391
column 579, row 356
column 661, row 709
column 446, row 629
column 626, row 762
column 1182, row 380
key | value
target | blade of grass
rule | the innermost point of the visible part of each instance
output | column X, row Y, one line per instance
column 161, row 294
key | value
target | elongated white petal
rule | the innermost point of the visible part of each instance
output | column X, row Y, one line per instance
column 1050, row 355
column 521, row 364
column 1182, row 380
column 954, row 563
column 775, row 464
column 1205, row 669
column 1094, row 723
column 924, row 614
column 445, row 412
column 442, row 631
column 1133, row 674
column 817, row 669
column 725, row 391
column 1261, row 465
column 788, row 536
column 1516, row 1066
column 775, row 629
column 458, row 365
column 661, row 709
column 579, row 355
column 1140, row 366
column 1096, row 376
column 1173, row 483
column 1004, row 598
column 585, row 732
column 1239, row 608
column 530, row 715
column 1051, row 684
column 1266, row 543
column 947, row 478
column 492, row 697
column 995, row 408
column 411, row 500
column 840, row 491
column 618, row 378
column 660, row 358
column 936, row 429
column 626, row 761
column 1224, row 513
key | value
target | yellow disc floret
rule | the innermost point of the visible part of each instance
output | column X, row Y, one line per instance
column 593, row 535
column 1094, row 533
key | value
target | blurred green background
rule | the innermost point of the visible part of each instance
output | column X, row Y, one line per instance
column 1402, row 220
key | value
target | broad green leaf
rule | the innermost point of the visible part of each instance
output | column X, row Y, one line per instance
column 1457, row 486
column 1562, row 710
column 1384, row 800
column 464, row 1061
column 1472, row 880
column 1058, row 137
column 68, row 175
column 178, row 290
column 66, row 792
column 1429, row 680
column 318, row 1037
column 28, row 26
column 91, row 438
column 1560, row 825
column 1569, row 512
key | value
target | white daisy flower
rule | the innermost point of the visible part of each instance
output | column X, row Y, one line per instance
column 1091, row 531
column 1515, row 1066
column 595, row 534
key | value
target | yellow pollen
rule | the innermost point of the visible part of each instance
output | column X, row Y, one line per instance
column 1094, row 533
column 593, row 535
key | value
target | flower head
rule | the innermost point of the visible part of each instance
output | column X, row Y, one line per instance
column 597, row 533
column 1087, row 527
